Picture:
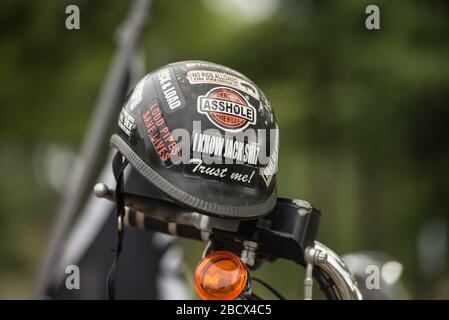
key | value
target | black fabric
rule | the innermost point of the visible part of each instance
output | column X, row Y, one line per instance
column 118, row 166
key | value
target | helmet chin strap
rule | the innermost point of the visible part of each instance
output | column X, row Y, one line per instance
column 118, row 166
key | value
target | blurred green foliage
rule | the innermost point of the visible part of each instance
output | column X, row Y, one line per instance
column 363, row 114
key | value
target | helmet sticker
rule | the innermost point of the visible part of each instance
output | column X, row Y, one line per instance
column 160, row 134
column 218, row 147
column 126, row 122
column 268, row 172
column 224, row 79
column 168, row 87
column 244, row 176
column 227, row 109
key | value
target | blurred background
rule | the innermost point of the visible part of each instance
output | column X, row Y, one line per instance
column 363, row 116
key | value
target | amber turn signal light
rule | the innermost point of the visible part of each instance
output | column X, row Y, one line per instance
column 220, row 275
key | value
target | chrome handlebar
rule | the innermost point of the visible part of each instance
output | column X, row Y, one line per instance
column 332, row 265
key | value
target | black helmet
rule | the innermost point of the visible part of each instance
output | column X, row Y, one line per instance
column 206, row 136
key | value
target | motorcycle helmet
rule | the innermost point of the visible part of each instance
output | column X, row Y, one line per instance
column 205, row 136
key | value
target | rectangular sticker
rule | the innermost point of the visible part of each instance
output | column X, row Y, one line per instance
column 242, row 175
column 168, row 88
column 267, row 173
column 224, row 79
column 160, row 134
column 126, row 122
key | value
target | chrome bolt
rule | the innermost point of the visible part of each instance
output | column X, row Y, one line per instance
column 248, row 255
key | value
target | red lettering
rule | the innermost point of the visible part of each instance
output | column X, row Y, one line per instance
column 160, row 144
column 159, row 133
column 171, row 145
column 151, row 129
column 155, row 138
column 165, row 156
column 155, row 108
